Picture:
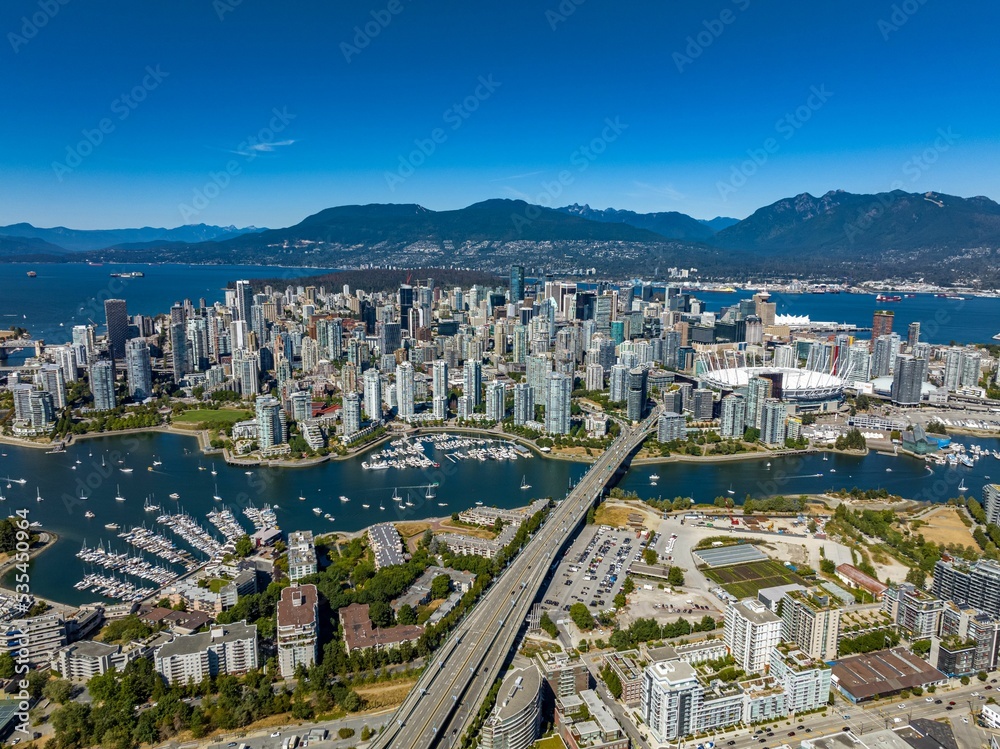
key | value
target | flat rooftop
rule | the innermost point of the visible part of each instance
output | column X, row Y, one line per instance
column 724, row 556
column 883, row 672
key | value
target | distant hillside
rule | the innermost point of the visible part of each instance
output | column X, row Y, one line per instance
column 82, row 240
column 28, row 246
column 668, row 224
column 719, row 222
column 848, row 226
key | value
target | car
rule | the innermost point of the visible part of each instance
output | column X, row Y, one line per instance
column 799, row 727
column 276, row 734
column 809, row 730
column 762, row 741
column 965, row 720
column 730, row 743
column 928, row 699
column 951, row 703
column 791, row 733
column 901, row 705
column 231, row 743
column 949, row 707
column 845, row 729
column 846, row 717
column 937, row 702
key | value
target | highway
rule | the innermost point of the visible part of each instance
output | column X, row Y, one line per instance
column 448, row 695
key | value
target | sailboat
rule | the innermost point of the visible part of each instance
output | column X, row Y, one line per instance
column 118, row 494
column 149, row 506
column 395, row 496
column 344, row 499
column 216, row 496
column 524, row 483
column 39, row 495
column 157, row 461
column 214, row 472
column 431, row 493
column 201, row 467
column 962, row 487
column 302, row 498
column 366, row 506
column 730, row 490
column 381, row 506
column 825, row 456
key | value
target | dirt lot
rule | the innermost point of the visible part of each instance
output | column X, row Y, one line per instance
column 667, row 607
column 386, row 694
column 450, row 526
column 945, row 526
column 615, row 514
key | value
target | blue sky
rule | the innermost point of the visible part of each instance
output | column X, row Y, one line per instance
column 261, row 113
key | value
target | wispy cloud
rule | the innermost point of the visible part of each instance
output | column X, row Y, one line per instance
column 666, row 191
column 516, row 176
column 256, row 148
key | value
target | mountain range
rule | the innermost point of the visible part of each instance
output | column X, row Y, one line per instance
column 837, row 234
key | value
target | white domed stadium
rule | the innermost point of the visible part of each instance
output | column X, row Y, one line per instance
column 796, row 384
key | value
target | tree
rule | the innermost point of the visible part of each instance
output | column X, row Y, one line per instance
column 752, row 434
column 591, row 516
column 649, row 555
column 547, row 625
column 6, row 666
column 380, row 613
column 440, row 586
column 675, row 577
column 406, row 614
column 581, row 617
column 613, row 682
column 916, row 576
column 628, row 586
column 244, row 546
column 59, row 690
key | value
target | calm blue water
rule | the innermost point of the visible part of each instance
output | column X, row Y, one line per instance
column 60, row 481
column 969, row 320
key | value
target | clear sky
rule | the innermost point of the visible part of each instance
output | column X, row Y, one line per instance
column 252, row 112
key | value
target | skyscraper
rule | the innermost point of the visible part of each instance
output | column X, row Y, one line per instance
column 881, row 325
column 352, row 413
column 117, row 319
column 439, row 382
column 636, row 396
column 907, row 379
column 272, row 429
column 138, row 369
column 618, row 384
column 83, row 344
column 524, row 404
column 913, row 334
column 50, row 377
column 178, row 350
column 496, row 397
column 102, row 384
column 404, row 390
column 758, row 391
column 372, row 381
column 557, row 406
column 733, row 416
column 472, row 380
column 751, row 631
column 517, row 283
column 772, row 422
column 244, row 301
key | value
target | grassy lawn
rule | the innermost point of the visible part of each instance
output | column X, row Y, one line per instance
column 745, row 580
column 217, row 584
column 385, row 693
column 459, row 526
column 552, row 742
column 211, row 418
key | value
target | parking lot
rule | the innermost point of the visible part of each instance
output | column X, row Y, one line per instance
column 593, row 569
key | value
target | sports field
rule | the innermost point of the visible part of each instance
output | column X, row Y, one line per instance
column 207, row 418
column 744, row 580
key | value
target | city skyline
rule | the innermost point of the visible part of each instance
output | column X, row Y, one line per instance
column 710, row 110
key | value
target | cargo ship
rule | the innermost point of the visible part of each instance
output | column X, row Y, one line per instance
column 888, row 298
column 31, row 274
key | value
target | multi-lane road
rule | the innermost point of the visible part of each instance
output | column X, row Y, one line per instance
column 448, row 695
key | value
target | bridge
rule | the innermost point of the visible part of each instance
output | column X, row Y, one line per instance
column 446, row 699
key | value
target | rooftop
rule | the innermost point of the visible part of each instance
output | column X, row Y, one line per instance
column 755, row 612
column 297, row 606
column 189, row 644
column 519, row 688
column 883, row 672
column 359, row 632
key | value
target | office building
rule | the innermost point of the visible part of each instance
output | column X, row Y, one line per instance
column 102, row 385
column 138, row 369
column 751, row 632
column 404, row 390
column 116, row 317
column 516, row 283
column 225, row 649
column 297, row 636
column 811, row 620
column 557, row 407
